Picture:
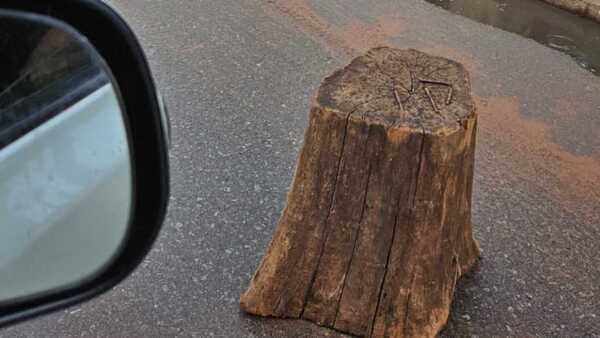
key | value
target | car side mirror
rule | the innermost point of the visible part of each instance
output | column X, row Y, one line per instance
column 83, row 155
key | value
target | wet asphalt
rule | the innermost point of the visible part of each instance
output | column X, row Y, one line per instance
column 238, row 77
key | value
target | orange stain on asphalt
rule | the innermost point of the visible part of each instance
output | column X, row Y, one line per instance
column 358, row 36
column 354, row 38
column 361, row 36
column 305, row 17
column 573, row 180
column 566, row 110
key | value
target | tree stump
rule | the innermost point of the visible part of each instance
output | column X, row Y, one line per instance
column 377, row 227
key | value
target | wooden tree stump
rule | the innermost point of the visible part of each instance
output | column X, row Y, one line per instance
column 377, row 227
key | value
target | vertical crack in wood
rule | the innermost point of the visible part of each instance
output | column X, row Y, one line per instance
column 413, row 201
column 407, row 306
column 356, row 236
column 444, row 208
column 325, row 227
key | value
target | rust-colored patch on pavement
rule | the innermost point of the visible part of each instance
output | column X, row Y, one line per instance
column 566, row 110
column 574, row 180
column 361, row 36
column 310, row 21
column 354, row 38
column 358, row 36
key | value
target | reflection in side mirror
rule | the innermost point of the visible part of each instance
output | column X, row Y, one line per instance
column 65, row 171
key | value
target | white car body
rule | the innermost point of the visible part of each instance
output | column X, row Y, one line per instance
column 66, row 187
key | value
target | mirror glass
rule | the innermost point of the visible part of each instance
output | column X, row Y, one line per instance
column 65, row 171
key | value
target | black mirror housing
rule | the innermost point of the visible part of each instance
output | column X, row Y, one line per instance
column 148, row 129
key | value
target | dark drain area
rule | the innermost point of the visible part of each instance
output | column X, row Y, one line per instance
column 558, row 29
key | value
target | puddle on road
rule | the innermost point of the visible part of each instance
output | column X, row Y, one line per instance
column 566, row 32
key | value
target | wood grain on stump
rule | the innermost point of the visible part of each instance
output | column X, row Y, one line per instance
column 377, row 227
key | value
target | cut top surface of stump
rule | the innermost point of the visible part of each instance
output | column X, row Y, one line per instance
column 400, row 88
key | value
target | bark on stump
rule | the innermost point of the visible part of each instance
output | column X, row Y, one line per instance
column 377, row 227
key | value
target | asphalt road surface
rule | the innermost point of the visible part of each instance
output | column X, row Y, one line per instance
column 238, row 77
